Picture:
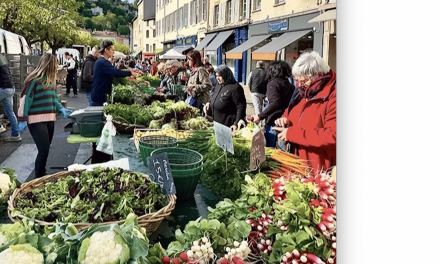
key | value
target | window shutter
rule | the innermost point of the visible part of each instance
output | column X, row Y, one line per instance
column 177, row 18
column 237, row 10
column 223, row 14
column 185, row 13
column 212, row 16
column 233, row 16
column 248, row 8
column 191, row 12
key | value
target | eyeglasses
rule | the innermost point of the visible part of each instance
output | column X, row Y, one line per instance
column 302, row 81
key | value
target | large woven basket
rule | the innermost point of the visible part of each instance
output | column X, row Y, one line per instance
column 151, row 222
column 124, row 127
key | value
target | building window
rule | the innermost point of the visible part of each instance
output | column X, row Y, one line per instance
column 154, row 33
column 216, row 15
column 148, row 48
column 185, row 15
column 148, row 23
column 204, row 8
column 243, row 9
column 256, row 5
column 173, row 21
column 148, row 33
column 277, row 2
column 154, row 47
column 229, row 11
column 196, row 13
column 181, row 16
column 191, row 12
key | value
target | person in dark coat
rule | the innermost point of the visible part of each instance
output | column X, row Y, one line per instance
column 279, row 92
column 228, row 103
column 87, row 72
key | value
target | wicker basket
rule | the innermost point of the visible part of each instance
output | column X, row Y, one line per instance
column 150, row 221
column 124, row 127
column 90, row 128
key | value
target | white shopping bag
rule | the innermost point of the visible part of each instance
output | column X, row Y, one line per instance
column 105, row 142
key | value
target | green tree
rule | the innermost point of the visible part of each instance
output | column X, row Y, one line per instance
column 123, row 30
column 88, row 23
column 52, row 21
column 121, row 47
column 87, row 13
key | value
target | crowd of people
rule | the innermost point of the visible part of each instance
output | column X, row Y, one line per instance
column 295, row 105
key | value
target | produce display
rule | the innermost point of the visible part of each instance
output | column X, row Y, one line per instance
column 29, row 243
column 100, row 195
column 158, row 115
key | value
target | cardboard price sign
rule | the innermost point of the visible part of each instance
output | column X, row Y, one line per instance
column 223, row 137
column 258, row 154
column 160, row 172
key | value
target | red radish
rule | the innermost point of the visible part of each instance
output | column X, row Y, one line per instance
column 334, row 245
column 330, row 261
column 333, row 238
column 303, row 259
column 224, row 261
column 263, row 215
column 314, row 259
column 321, row 226
column 176, row 261
column 294, row 261
column 166, row 259
column 259, row 228
column 324, row 184
column 329, row 225
column 328, row 218
column 314, row 203
column 329, row 191
column 183, row 256
column 329, row 211
column 323, row 195
column 278, row 193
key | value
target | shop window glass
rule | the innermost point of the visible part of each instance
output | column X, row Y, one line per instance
column 256, row 5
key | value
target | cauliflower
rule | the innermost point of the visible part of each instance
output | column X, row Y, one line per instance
column 23, row 253
column 5, row 184
column 104, row 248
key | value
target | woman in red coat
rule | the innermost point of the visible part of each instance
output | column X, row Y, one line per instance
column 309, row 123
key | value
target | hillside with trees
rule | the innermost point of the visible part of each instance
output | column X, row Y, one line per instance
column 117, row 15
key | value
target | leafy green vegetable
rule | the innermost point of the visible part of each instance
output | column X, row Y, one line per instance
column 100, row 195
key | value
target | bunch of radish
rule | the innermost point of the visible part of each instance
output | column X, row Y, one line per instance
column 295, row 257
column 235, row 260
column 261, row 225
column 265, row 246
column 240, row 250
column 201, row 252
column 279, row 189
column 332, row 258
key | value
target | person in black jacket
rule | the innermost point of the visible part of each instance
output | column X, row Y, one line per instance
column 87, row 72
column 228, row 103
column 258, row 85
column 279, row 92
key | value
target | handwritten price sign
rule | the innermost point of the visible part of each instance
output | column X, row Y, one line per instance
column 160, row 172
column 258, row 154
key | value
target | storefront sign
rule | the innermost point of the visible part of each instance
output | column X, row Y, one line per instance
column 187, row 41
column 282, row 25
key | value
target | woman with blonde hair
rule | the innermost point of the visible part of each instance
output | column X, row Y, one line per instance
column 38, row 107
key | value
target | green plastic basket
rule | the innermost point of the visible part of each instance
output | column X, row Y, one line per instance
column 90, row 128
column 149, row 143
column 186, row 167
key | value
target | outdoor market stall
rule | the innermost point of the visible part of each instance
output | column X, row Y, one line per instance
column 192, row 192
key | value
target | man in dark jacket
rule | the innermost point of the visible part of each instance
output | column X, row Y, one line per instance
column 103, row 73
column 176, row 75
column 258, row 86
column 7, row 91
column 87, row 72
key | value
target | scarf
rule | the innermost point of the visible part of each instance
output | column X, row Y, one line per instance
column 317, row 85
column 226, row 73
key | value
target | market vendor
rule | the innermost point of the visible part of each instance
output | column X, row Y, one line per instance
column 103, row 73
column 309, row 124
column 176, row 74
column 228, row 103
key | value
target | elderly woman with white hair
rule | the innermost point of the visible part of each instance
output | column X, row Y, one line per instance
column 308, row 125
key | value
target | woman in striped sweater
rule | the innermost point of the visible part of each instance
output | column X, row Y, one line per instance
column 38, row 107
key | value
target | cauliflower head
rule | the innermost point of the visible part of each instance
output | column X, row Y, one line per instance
column 5, row 184
column 104, row 248
column 23, row 253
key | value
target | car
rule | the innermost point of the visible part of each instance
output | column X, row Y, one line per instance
column 11, row 43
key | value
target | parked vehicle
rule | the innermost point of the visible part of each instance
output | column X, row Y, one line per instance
column 11, row 43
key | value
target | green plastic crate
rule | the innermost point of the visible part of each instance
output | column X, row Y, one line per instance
column 90, row 128
column 186, row 167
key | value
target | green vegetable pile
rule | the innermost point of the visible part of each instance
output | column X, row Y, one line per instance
column 8, row 183
column 157, row 115
column 26, row 242
column 100, row 195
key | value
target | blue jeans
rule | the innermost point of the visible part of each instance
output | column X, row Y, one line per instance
column 89, row 97
column 6, row 97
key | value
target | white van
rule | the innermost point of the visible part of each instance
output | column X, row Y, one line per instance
column 11, row 43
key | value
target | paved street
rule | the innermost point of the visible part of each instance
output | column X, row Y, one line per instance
column 21, row 156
